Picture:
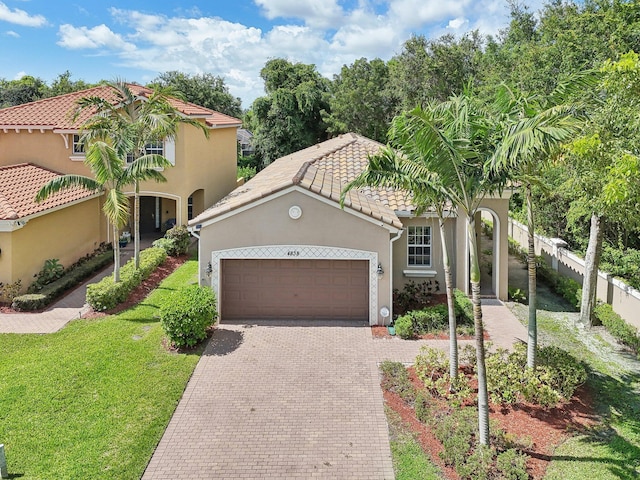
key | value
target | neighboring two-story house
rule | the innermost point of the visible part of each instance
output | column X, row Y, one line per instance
column 39, row 140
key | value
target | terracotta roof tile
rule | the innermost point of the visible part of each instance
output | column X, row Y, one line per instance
column 56, row 112
column 19, row 185
column 323, row 169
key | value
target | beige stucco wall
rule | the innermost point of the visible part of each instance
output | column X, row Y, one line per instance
column 400, row 253
column 321, row 224
column 66, row 234
column 203, row 163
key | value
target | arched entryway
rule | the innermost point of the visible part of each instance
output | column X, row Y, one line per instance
column 195, row 204
column 488, row 233
column 157, row 214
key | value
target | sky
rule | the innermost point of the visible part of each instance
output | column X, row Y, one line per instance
column 137, row 40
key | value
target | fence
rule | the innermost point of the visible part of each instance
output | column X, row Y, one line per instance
column 624, row 299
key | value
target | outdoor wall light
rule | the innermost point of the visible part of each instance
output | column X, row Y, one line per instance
column 209, row 270
column 380, row 271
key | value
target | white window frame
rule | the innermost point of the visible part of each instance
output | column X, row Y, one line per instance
column 419, row 239
column 151, row 148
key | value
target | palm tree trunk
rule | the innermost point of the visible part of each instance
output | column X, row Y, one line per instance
column 448, row 282
column 116, row 255
column 474, row 276
column 532, row 340
column 136, row 226
column 591, row 263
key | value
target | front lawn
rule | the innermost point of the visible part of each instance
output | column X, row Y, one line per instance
column 93, row 400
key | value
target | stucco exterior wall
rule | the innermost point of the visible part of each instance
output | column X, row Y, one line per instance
column 403, row 272
column 66, row 234
column 321, row 224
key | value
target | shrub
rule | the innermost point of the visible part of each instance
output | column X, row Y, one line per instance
column 106, row 294
column 51, row 271
column 556, row 376
column 246, row 172
column 73, row 276
column 512, row 465
column 430, row 319
column 517, row 295
column 464, row 307
column 404, row 327
column 414, row 296
column 10, row 291
column 175, row 241
column 187, row 314
column 395, row 378
column 616, row 326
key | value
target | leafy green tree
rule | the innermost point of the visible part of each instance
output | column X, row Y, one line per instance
column 129, row 125
column 435, row 69
column 604, row 166
column 205, row 89
column 361, row 100
column 289, row 117
column 16, row 92
column 63, row 84
column 533, row 128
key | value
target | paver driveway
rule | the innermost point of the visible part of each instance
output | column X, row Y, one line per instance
column 297, row 400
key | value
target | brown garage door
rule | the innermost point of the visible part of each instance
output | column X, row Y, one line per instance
column 294, row 289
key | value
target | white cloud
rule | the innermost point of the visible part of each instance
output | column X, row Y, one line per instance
column 417, row 13
column 19, row 75
column 314, row 13
column 97, row 37
column 11, row 33
column 20, row 17
column 457, row 23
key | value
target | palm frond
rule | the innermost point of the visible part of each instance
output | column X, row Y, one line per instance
column 66, row 182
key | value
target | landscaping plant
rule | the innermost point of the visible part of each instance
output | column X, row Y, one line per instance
column 187, row 314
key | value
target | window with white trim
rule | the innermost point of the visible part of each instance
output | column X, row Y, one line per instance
column 154, row 148
column 78, row 146
column 419, row 246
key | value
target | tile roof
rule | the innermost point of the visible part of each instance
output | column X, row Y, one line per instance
column 323, row 169
column 55, row 112
column 19, row 185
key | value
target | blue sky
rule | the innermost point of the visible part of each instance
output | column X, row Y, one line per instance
column 137, row 40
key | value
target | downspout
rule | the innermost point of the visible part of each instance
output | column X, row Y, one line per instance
column 193, row 231
column 398, row 235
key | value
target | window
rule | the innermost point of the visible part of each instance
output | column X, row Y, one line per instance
column 78, row 147
column 190, row 208
column 419, row 246
column 155, row 148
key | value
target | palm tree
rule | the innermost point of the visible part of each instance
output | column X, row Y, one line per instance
column 405, row 168
column 130, row 123
column 532, row 130
column 110, row 175
column 448, row 145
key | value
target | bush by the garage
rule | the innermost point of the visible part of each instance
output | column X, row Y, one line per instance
column 187, row 314
column 175, row 241
column 106, row 294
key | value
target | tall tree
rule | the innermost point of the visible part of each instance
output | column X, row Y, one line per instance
column 289, row 117
column 206, row 90
column 26, row 89
column 130, row 124
column 533, row 128
column 407, row 168
column 361, row 100
column 63, row 84
column 604, row 165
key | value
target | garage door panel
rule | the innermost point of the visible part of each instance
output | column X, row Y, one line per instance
column 304, row 289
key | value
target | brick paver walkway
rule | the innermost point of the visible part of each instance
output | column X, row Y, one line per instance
column 297, row 400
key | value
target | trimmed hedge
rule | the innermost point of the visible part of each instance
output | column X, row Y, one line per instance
column 74, row 276
column 186, row 315
column 616, row 326
column 106, row 294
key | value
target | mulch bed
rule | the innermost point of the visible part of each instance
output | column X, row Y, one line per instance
column 547, row 428
column 381, row 332
column 135, row 297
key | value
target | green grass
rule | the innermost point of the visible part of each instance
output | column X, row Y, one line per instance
column 410, row 462
column 92, row 400
column 611, row 450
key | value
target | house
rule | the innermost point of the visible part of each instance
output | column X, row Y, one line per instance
column 280, row 246
column 245, row 142
column 40, row 140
